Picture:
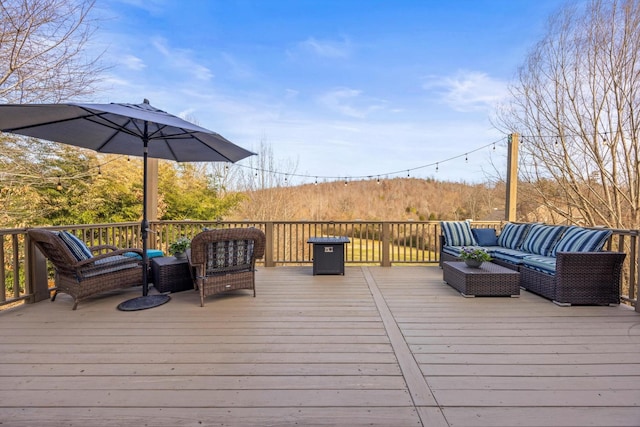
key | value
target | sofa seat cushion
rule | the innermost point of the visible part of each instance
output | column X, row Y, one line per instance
column 456, row 250
column 457, row 233
column 512, row 235
column 541, row 239
column 510, row 255
column 578, row 239
column 544, row 264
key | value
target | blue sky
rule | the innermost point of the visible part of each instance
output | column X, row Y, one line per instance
column 338, row 88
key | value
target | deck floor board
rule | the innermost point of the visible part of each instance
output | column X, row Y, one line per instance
column 377, row 346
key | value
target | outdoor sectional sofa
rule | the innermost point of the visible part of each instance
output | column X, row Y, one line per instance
column 566, row 264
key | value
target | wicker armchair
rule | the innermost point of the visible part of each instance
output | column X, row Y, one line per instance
column 108, row 269
column 224, row 260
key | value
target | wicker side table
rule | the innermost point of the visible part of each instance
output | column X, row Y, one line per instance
column 170, row 274
column 488, row 280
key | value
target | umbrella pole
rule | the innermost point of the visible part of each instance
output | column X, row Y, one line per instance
column 144, row 226
column 145, row 301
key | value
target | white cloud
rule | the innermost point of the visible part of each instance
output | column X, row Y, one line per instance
column 327, row 49
column 181, row 59
column 349, row 102
column 133, row 62
column 468, row 91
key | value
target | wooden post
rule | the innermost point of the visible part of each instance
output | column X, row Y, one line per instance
column 386, row 239
column 268, row 250
column 512, row 178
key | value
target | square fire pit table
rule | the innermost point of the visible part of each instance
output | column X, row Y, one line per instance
column 489, row 280
column 328, row 254
column 170, row 274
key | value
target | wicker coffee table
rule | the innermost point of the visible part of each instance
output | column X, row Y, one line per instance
column 490, row 280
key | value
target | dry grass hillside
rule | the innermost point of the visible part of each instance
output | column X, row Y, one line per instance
column 394, row 199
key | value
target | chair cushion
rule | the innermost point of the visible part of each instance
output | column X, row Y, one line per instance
column 457, row 233
column 151, row 253
column 77, row 247
column 512, row 235
column 541, row 239
column 228, row 255
column 578, row 239
column 485, row 236
column 103, row 266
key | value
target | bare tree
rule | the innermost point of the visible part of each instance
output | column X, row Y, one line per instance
column 266, row 183
column 576, row 104
column 42, row 46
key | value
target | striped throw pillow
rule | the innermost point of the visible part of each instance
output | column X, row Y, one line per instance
column 578, row 239
column 541, row 238
column 77, row 247
column 457, row 233
column 512, row 235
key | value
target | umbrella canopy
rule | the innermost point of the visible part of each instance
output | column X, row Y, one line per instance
column 120, row 129
column 130, row 129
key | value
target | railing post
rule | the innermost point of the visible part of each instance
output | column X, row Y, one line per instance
column 36, row 277
column 385, row 239
column 268, row 250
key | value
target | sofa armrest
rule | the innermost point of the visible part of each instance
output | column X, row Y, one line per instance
column 588, row 277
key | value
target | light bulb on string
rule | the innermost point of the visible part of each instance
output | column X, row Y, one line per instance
column 316, row 182
column 494, row 146
column 378, row 180
column 437, row 167
column 59, row 185
column 99, row 171
column 466, row 158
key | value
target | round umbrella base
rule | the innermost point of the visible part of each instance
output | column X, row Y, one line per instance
column 144, row 302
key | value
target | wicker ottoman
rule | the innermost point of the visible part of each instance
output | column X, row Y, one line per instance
column 170, row 274
column 489, row 280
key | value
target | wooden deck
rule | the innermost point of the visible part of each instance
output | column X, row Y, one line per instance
column 378, row 346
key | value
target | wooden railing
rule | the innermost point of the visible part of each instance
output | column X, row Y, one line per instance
column 384, row 243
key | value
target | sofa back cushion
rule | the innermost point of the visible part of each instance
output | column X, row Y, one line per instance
column 485, row 236
column 578, row 239
column 512, row 235
column 458, row 233
column 541, row 239
column 77, row 247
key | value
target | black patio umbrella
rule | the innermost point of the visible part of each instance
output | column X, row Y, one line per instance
column 132, row 129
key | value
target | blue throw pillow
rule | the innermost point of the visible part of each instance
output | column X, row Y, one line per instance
column 77, row 247
column 485, row 236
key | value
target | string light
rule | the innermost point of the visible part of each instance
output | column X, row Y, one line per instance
column 378, row 180
column 59, row 185
column 346, row 179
